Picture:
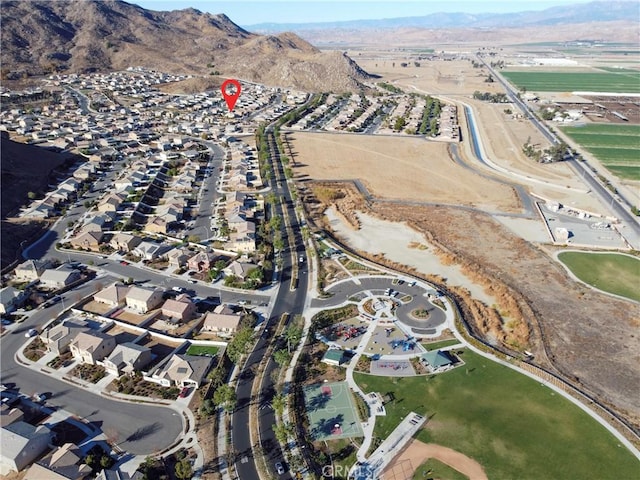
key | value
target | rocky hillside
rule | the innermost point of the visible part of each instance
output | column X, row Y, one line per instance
column 73, row 36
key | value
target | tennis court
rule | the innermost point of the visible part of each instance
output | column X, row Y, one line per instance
column 331, row 410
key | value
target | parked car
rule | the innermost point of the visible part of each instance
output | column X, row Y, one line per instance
column 184, row 392
column 178, row 289
column 39, row 397
column 279, row 468
column 124, row 262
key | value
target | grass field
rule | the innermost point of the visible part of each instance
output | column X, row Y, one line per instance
column 202, row 350
column 440, row 344
column 512, row 425
column 621, row 82
column 433, row 468
column 611, row 272
column 616, row 146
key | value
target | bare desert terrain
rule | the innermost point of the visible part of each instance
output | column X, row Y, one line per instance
column 394, row 167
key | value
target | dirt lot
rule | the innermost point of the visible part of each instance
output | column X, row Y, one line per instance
column 397, row 168
column 416, row 452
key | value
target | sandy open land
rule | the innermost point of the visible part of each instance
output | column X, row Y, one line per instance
column 503, row 135
column 398, row 168
column 417, row 452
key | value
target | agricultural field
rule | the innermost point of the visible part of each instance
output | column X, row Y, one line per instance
column 611, row 272
column 615, row 146
column 625, row 81
column 505, row 421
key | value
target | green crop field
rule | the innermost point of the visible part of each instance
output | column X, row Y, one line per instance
column 514, row 426
column 611, row 272
column 616, row 146
column 623, row 82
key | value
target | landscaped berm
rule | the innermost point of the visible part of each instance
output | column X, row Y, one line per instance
column 331, row 411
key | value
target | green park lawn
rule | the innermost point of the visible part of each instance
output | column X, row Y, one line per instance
column 611, row 272
column 515, row 427
column 440, row 344
column 202, row 350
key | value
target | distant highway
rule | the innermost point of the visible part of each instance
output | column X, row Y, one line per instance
column 619, row 204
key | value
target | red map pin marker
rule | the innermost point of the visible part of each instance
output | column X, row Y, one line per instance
column 231, row 98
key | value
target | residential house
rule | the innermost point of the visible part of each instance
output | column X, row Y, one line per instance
column 9, row 415
column 183, row 371
column 149, row 250
column 88, row 240
column 30, row 270
column 124, row 242
column 58, row 337
column 181, row 309
column 156, row 224
column 239, row 269
column 119, row 475
column 127, row 357
column 223, row 321
column 91, row 347
column 59, row 277
column 141, row 299
column 111, row 202
column 65, row 463
column 177, row 258
column 202, row 261
column 114, row 296
column 10, row 299
column 20, row 444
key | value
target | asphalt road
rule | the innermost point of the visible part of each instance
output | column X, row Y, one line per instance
column 138, row 429
column 287, row 301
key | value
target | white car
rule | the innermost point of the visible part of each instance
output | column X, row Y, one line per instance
column 32, row 332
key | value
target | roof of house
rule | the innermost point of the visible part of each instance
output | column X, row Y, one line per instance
column 437, row 358
column 127, row 353
column 90, row 340
column 222, row 320
column 36, row 266
column 141, row 293
column 60, row 274
column 113, row 294
column 176, row 306
column 63, row 463
column 67, row 329
column 183, row 367
column 7, row 294
column 16, row 436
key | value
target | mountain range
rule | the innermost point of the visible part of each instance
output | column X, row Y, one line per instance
column 72, row 36
column 598, row 11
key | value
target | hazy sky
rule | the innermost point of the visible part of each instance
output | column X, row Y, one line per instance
column 250, row 12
